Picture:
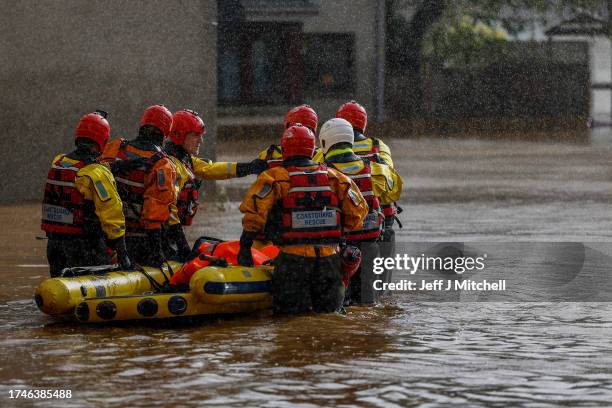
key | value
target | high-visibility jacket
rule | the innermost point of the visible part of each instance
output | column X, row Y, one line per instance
column 148, row 190
column 274, row 155
column 373, row 149
column 81, row 198
column 386, row 183
column 191, row 170
column 274, row 185
column 372, row 224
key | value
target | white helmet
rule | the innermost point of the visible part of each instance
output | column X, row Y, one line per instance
column 334, row 131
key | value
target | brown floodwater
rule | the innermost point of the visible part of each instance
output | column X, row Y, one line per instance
column 403, row 352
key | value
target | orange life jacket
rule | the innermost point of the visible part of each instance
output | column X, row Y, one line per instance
column 227, row 250
column 131, row 185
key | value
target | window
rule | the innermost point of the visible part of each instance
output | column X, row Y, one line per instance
column 329, row 64
column 260, row 63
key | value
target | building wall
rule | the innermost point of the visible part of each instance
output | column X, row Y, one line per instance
column 338, row 16
column 65, row 58
column 599, row 60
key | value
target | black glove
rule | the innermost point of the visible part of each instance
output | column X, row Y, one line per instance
column 245, row 257
column 156, row 254
column 254, row 167
column 176, row 236
column 118, row 245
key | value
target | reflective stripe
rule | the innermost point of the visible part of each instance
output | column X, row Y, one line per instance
column 349, row 169
column 300, row 189
column 101, row 189
column 55, row 166
column 129, row 182
column 306, row 173
column 358, row 176
column 61, row 183
column 361, row 145
column 190, row 172
column 367, row 193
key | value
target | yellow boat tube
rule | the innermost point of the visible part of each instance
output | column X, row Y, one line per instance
column 213, row 290
column 216, row 285
column 60, row 296
column 158, row 306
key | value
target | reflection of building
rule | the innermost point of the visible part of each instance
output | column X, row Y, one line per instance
column 275, row 54
column 587, row 29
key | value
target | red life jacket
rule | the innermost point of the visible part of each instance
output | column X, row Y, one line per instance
column 309, row 213
column 372, row 223
column 389, row 210
column 65, row 210
column 131, row 186
column 187, row 202
column 272, row 161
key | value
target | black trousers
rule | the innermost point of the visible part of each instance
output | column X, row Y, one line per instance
column 387, row 250
column 361, row 287
column 301, row 283
column 66, row 253
column 140, row 251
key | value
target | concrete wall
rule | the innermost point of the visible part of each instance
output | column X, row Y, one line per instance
column 333, row 16
column 64, row 58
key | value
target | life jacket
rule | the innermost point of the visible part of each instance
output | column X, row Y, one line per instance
column 309, row 213
column 274, row 160
column 131, row 185
column 372, row 223
column 227, row 250
column 368, row 148
column 65, row 210
column 389, row 210
column 187, row 202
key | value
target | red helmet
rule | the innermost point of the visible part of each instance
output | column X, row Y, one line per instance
column 183, row 122
column 303, row 114
column 94, row 126
column 158, row 116
column 354, row 113
column 297, row 140
column 351, row 259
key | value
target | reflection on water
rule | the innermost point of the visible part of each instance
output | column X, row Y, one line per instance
column 402, row 353
column 405, row 353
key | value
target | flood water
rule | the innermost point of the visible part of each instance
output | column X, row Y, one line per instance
column 404, row 352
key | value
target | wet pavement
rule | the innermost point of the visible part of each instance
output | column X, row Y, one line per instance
column 404, row 352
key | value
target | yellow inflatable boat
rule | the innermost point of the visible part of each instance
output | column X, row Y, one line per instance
column 109, row 296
